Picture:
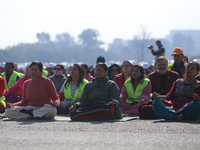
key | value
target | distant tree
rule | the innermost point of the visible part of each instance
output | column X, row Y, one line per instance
column 89, row 40
column 116, row 46
column 43, row 37
column 138, row 46
column 65, row 40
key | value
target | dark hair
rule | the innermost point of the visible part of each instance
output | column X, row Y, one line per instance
column 10, row 63
column 61, row 66
column 103, row 65
column 39, row 64
column 162, row 58
column 141, row 71
column 127, row 62
column 194, row 62
column 86, row 67
column 158, row 41
column 80, row 80
column 101, row 59
column 113, row 65
column 186, row 58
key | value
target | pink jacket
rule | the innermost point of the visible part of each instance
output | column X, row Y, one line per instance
column 133, row 108
column 16, row 88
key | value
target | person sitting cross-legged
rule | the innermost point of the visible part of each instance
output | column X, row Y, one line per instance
column 183, row 100
column 72, row 89
column 100, row 98
column 136, row 90
column 14, row 93
column 39, row 97
column 161, row 82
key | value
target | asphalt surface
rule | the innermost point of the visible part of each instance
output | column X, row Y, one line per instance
column 134, row 134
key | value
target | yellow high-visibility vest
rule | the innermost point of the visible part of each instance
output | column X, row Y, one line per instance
column 12, row 80
column 135, row 95
column 45, row 73
column 2, row 100
column 78, row 93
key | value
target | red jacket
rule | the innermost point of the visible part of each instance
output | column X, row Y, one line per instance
column 154, row 77
column 3, row 85
column 119, row 79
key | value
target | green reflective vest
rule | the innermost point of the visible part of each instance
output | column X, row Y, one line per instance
column 169, row 67
column 45, row 73
column 134, row 96
column 12, row 80
column 20, row 74
column 78, row 93
column 2, row 100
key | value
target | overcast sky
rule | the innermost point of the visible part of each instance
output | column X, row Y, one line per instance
column 20, row 20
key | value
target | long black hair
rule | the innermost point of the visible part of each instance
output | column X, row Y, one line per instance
column 86, row 68
column 80, row 80
column 141, row 71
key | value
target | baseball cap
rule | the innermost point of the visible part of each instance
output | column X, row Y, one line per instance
column 146, row 65
column 2, row 64
column 177, row 51
column 51, row 65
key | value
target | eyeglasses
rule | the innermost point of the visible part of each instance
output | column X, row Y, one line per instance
column 57, row 69
column 116, row 70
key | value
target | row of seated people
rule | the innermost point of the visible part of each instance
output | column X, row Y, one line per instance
column 135, row 93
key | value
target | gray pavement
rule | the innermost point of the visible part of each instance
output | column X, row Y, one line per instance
column 135, row 134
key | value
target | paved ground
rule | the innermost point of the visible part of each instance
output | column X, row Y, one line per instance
column 135, row 134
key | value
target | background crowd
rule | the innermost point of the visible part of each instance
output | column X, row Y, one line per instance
column 105, row 91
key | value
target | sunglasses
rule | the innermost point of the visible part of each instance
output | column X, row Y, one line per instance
column 57, row 69
column 116, row 70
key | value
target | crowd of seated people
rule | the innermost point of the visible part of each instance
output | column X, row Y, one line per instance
column 171, row 91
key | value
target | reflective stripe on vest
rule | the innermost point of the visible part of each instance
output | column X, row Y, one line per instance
column 2, row 100
column 78, row 93
column 135, row 95
column 12, row 80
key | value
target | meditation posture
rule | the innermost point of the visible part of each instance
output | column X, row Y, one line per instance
column 39, row 97
column 100, row 98
column 71, row 90
column 161, row 82
column 136, row 90
column 183, row 100
column 126, row 73
column 14, row 93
